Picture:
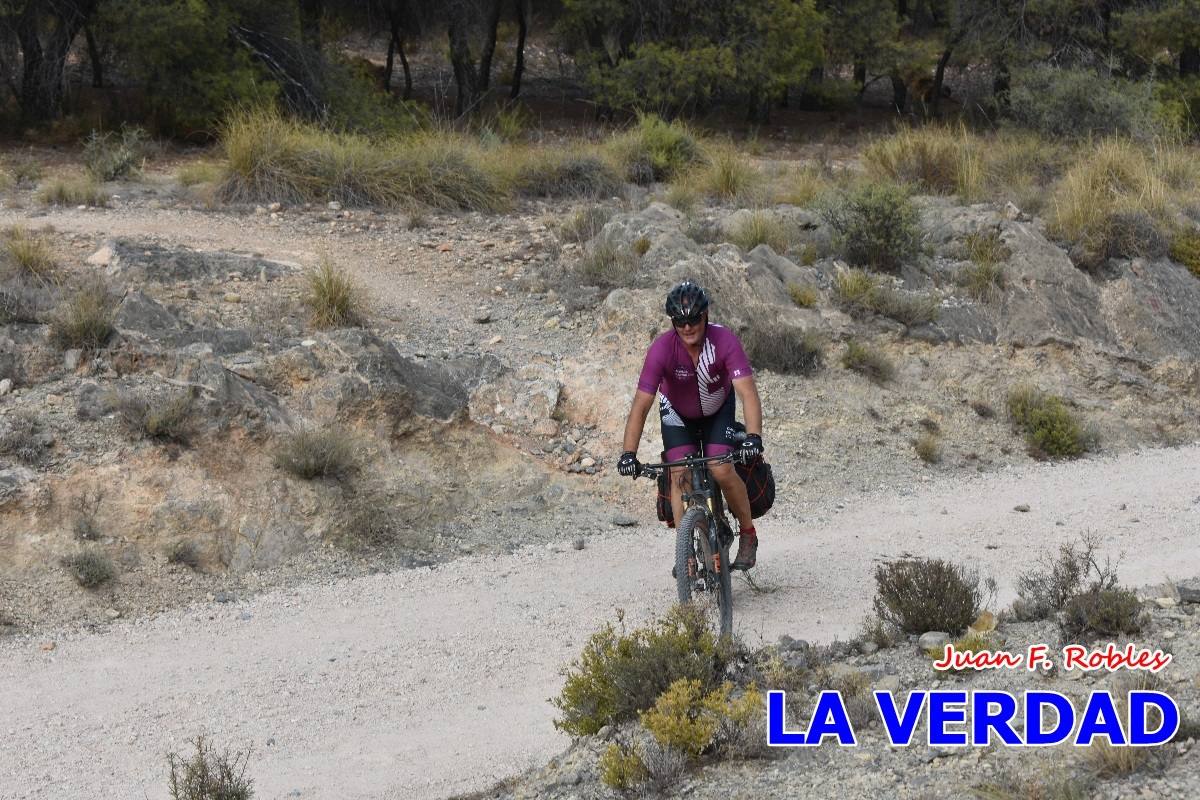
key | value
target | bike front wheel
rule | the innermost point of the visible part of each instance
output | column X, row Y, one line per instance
column 702, row 575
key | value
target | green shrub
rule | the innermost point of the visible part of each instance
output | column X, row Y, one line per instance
column 90, row 568
column 621, row 767
column 568, row 175
column 585, row 224
column 170, row 418
column 84, row 321
column 72, row 192
column 1050, row 429
column 332, row 297
column 762, row 227
column 868, row 361
column 772, row 344
column 875, row 226
column 1100, row 612
column 110, row 156
column 854, row 289
column 311, row 452
column 620, row 674
column 929, row 448
column 28, row 255
column 606, row 265
column 920, row 595
column 655, row 150
column 685, row 717
column 1062, row 102
column 209, row 775
column 986, row 247
column 803, row 296
column 983, row 281
column 276, row 159
column 1185, row 249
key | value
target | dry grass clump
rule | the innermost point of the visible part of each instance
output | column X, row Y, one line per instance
column 801, row 187
column 860, row 293
column 1054, row 784
column 585, row 224
column 28, row 255
column 550, row 173
column 655, row 150
column 929, row 448
column 1185, row 249
column 683, row 196
column 803, row 296
column 1115, row 761
column 332, row 297
column 935, row 159
column 90, row 568
column 20, row 439
column 772, row 344
column 209, row 775
column 984, row 277
column 72, row 192
column 311, row 452
column 200, row 172
column 110, row 156
column 271, row 158
column 1051, row 429
column 868, row 361
column 607, row 265
column 920, row 595
column 762, row 227
column 170, row 418
column 85, row 321
column 729, row 176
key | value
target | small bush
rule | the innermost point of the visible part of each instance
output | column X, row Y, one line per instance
column 1045, row 588
column 368, row 520
column 854, row 289
column 24, row 171
column 937, row 160
column 85, row 321
column 621, row 767
column 1077, row 103
column 729, row 176
column 621, row 674
column 803, row 296
column 185, row 552
column 803, row 187
column 90, row 568
column 209, row 775
column 332, row 297
column 882, row 634
column 170, row 418
column 110, row 156
column 585, row 224
column 606, row 265
column 762, row 227
column 1117, row 761
column 1185, row 249
column 656, row 150
column 640, row 246
column 312, row 452
column 87, row 508
column 1056, row 784
column 986, row 247
column 855, row 688
column 682, row 195
column 983, row 281
column 774, row 345
column 910, row 308
column 921, row 595
column 929, row 448
column 28, row 255
column 1100, row 612
column 868, row 361
column 875, row 226
column 72, row 192
column 1051, row 430
column 20, row 439
column 569, row 175
column 684, row 717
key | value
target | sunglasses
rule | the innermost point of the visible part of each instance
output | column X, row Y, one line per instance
column 683, row 322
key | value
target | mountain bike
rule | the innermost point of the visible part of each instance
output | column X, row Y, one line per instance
column 702, row 538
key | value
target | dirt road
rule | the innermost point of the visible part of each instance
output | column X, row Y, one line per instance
column 430, row 682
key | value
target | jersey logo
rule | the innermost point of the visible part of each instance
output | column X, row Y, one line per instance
column 682, row 373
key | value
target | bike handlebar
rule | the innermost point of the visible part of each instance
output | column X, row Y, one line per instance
column 652, row 470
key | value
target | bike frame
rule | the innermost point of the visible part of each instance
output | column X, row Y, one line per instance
column 704, row 492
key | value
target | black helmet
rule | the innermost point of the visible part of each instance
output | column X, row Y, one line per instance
column 686, row 300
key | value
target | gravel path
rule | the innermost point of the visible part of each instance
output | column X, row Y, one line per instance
column 429, row 682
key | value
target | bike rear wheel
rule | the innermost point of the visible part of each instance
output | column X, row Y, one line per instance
column 696, row 565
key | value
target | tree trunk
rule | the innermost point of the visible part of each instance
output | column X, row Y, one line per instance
column 899, row 93
column 1001, row 85
column 310, row 24
column 939, row 78
column 466, row 78
column 519, row 64
column 391, row 60
column 43, row 63
column 1189, row 61
column 407, row 73
column 94, row 59
column 489, row 48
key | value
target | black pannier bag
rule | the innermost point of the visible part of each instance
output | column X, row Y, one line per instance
column 760, row 487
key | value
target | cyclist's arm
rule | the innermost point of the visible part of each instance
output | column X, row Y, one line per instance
column 642, row 403
column 747, row 394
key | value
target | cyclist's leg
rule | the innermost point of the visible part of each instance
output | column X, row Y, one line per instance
column 680, row 439
column 718, row 431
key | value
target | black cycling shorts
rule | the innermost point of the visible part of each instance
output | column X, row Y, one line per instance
column 683, row 437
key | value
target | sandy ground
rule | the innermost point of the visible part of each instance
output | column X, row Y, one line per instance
column 426, row 683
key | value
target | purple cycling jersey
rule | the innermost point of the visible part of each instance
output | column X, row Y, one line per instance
column 695, row 390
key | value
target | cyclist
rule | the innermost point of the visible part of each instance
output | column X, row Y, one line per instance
column 697, row 369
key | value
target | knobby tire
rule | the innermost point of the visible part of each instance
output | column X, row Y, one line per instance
column 695, row 524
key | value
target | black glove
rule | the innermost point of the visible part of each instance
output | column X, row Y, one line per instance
column 628, row 464
column 750, row 448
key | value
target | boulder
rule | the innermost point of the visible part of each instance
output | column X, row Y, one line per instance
column 1153, row 308
column 136, row 262
column 522, row 399
column 230, row 396
column 153, row 322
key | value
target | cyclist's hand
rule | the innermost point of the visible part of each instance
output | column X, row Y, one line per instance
column 750, row 448
column 628, row 465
